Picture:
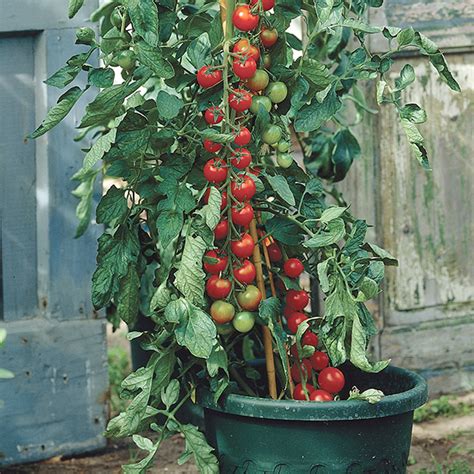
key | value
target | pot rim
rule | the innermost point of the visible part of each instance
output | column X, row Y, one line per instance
column 342, row 410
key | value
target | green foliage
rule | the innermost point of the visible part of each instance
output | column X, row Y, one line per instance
column 443, row 406
column 147, row 131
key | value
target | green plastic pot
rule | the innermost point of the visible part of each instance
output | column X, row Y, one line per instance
column 257, row 435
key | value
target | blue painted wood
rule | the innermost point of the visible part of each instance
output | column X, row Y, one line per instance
column 18, row 178
column 55, row 404
column 56, row 345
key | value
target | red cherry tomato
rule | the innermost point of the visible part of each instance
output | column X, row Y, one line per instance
column 241, row 158
column 212, row 147
column 245, row 272
column 274, row 252
column 319, row 360
column 304, row 367
column 209, row 77
column 242, row 214
column 331, row 379
column 299, row 393
column 243, row 19
column 309, row 339
column 293, row 267
column 240, row 100
column 215, row 268
column 321, row 396
column 243, row 248
column 250, row 298
column 245, row 49
column 223, row 198
column 243, row 188
column 255, row 171
column 287, row 311
column 243, row 137
column 222, row 230
column 222, row 312
column 266, row 4
column 215, row 170
column 297, row 299
column 213, row 115
column 268, row 37
column 294, row 351
column 218, row 288
column 294, row 320
column 244, row 68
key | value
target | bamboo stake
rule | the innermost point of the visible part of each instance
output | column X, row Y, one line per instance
column 273, row 290
column 226, row 9
column 267, row 336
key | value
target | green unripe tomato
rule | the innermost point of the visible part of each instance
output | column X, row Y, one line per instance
column 258, row 81
column 260, row 100
column 225, row 329
column 283, row 147
column 116, row 18
column 277, row 92
column 284, row 160
column 85, row 36
column 244, row 321
column 222, row 312
column 271, row 135
column 114, row 40
column 126, row 59
column 267, row 61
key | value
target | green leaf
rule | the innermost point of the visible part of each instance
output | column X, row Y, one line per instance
column 196, row 444
column 356, row 237
column 417, row 142
column 144, row 17
column 407, row 77
column 215, row 32
column 359, row 341
column 69, row 72
column 269, row 311
column 310, row 117
column 100, row 77
column 168, row 105
column 413, row 113
column 101, row 146
column 359, row 25
column 153, row 59
column 196, row 331
column 112, row 207
column 85, row 193
column 282, row 189
column 405, row 37
column 3, row 336
column 333, row 233
column 170, row 394
column 199, row 51
column 128, row 300
column 333, row 337
column 74, row 7
column 102, row 286
column 64, row 105
column 322, row 269
column 284, row 230
column 211, row 212
column 316, row 73
column 169, row 225
column 386, row 257
column 190, row 277
column 324, row 9
column 332, row 213
column 6, row 374
column 347, row 149
column 217, row 361
column 371, row 395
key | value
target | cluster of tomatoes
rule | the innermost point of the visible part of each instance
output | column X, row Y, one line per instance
column 231, row 273
column 315, row 368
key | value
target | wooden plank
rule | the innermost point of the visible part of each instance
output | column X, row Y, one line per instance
column 449, row 23
column 62, row 258
column 34, row 15
column 18, row 180
column 56, row 404
column 428, row 217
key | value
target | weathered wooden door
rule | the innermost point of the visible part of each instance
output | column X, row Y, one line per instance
column 56, row 344
column 425, row 218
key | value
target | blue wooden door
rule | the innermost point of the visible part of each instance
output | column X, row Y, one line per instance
column 56, row 343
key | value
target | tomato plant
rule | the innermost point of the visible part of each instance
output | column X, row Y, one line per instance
column 180, row 225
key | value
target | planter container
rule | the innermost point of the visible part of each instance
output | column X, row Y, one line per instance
column 257, row 435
